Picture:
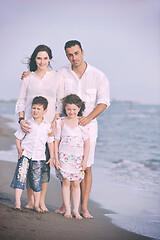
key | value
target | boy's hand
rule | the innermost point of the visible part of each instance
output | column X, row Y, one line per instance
column 24, row 124
column 20, row 152
column 53, row 128
column 25, row 74
column 50, row 162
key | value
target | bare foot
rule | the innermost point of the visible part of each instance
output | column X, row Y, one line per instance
column 17, row 208
column 61, row 210
column 77, row 215
column 39, row 210
column 86, row 214
column 44, row 208
column 68, row 215
column 28, row 206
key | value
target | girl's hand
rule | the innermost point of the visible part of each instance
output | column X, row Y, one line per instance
column 57, row 164
column 83, row 165
column 24, row 124
column 50, row 162
column 20, row 152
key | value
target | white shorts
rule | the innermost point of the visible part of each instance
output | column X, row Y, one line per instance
column 91, row 153
column 93, row 132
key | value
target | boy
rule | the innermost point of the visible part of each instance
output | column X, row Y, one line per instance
column 31, row 153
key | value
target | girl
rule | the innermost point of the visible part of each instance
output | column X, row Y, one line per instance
column 71, row 152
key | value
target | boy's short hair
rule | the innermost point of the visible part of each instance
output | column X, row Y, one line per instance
column 41, row 101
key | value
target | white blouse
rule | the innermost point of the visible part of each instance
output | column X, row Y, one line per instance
column 33, row 86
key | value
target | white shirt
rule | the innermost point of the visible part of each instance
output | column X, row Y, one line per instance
column 33, row 86
column 34, row 142
column 92, row 88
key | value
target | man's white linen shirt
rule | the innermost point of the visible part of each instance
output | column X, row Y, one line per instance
column 34, row 142
column 92, row 88
column 33, row 86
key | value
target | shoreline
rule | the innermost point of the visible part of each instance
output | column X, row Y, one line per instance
column 28, row 224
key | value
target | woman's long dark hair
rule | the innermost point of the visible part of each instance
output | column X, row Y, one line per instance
column 73, row 99
column 32, row 60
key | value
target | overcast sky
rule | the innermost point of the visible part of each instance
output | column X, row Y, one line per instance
column 120, row 37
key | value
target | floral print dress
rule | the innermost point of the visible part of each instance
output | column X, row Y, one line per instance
column 71, row 150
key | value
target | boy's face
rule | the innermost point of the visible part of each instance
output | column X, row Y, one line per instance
column 38, row 111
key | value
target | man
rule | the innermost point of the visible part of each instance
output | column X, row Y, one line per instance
column 92, row 86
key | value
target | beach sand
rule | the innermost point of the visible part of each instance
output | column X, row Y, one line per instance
column 28, row 224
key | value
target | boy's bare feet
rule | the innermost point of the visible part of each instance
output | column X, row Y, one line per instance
column 43, row 207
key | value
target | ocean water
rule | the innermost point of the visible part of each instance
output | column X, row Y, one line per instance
column 126, row 173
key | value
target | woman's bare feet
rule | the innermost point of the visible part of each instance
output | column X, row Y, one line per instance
column 29, row 206
column 86, row 214
column 68, row 215
column 60, row 210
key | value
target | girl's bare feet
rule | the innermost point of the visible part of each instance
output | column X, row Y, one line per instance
column 77, row 215
column 37, row 209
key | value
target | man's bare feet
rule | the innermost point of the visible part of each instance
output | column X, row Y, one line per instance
column 86, row 214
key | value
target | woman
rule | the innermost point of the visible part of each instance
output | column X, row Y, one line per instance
column 40, row 82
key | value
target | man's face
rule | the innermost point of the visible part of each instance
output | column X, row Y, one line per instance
column 75, row 56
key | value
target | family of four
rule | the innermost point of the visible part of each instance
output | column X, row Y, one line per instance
column 57, row 119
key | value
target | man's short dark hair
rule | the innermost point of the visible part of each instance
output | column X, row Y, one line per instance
column 72, row 43
column 41, row 101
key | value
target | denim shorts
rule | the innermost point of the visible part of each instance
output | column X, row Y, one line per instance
column 21, row 173
column 34, row 180
column 46, row 168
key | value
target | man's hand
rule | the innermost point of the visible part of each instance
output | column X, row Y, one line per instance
column 83, row 121
column 25, row 74
column 24, row 124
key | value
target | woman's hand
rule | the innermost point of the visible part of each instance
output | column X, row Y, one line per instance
column 24, row 124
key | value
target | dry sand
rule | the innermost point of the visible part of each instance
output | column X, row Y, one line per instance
column 28, row 224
